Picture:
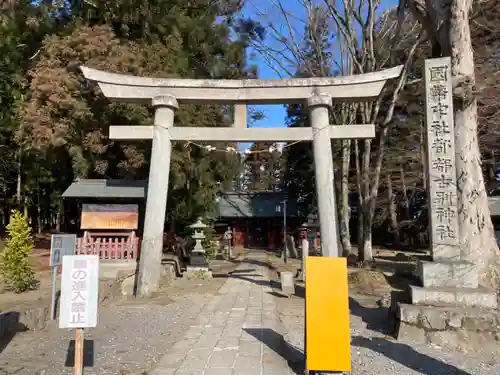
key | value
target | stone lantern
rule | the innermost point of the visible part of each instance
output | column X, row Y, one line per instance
column 311, row 227
column 197, row 261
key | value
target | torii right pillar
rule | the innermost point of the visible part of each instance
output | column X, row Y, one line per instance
column 319, row 106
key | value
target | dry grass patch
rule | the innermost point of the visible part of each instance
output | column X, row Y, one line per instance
column 368, row 281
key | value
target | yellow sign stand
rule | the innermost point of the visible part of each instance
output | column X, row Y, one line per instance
column 328, row 336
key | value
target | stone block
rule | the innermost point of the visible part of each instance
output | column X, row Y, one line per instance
column 484, row 322
column 128, row 286
column 444, row 338
column 287, row 283
column 423, row 316
column 410, row 333
column 448, row 274
column 198, row 260
column 445, row 252
column 168, row 273
column 194, row 272
column 116, row 269
column 457, row 327
column 465, row 297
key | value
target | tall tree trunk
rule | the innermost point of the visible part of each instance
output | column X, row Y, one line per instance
column 39, row 220
column 19, row 181
column 59, row 217
column 345, row 234
column 423, row 156
column 404, row 188
column 393, row 215
column 492, row 168
column 371, row 193
column 477, row 235
column 365, row 242
column 26, row 209
column 359, row 238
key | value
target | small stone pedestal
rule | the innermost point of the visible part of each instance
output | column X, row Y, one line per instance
column 287, row 283
column 198, row 266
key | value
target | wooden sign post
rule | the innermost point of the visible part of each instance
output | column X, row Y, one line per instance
column 60, row 245
column 79, row 296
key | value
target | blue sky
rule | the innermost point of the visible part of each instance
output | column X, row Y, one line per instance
column 266, row 11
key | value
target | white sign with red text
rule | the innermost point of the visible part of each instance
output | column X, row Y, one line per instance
column 79, row 291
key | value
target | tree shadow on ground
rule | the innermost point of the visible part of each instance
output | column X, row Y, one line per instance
column 5, row 340
column 407, row 356
column 254, row 262
column 250, row 277
column 276, row 342
column 246, row 270
column 13, row 326
column 88, row 354
column 377, row 319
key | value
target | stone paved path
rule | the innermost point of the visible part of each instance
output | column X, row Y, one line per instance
column 237, row 333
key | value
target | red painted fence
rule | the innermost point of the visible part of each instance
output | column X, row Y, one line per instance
column 109, row 246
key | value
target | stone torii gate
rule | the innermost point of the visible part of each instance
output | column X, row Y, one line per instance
column 165, row 94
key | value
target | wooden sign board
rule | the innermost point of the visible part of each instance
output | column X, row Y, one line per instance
column 328, row 337
column 79, row 291
column 110, row 216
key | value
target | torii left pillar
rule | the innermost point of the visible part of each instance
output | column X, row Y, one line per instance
column 156, row 205
column 319, row 106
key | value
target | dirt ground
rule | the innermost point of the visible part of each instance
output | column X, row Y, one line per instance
column 39, row 258
column 149, row 326
column 374, row 350
column 40, row 261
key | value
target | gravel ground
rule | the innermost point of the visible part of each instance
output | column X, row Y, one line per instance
column 131, row 336
column 375, row 353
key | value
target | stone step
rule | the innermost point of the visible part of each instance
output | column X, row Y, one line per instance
column 464, row 297
column 461, row 327
column 448, row 274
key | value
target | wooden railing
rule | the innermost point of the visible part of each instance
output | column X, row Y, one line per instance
column 109, row 246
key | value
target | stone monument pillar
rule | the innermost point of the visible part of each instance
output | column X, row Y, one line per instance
column 198, row 264
column 156, row 205
column 323, row 169
column 449, row 307
column 447, row 268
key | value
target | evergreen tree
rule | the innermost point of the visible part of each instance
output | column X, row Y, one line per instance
column 14, row 264
column 263, row 167
column 66, row 120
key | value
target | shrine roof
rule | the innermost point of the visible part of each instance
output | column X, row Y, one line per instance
column 106, row 189
column 230, row 205
column 256, row 205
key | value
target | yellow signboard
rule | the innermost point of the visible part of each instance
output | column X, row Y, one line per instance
column 328, row 336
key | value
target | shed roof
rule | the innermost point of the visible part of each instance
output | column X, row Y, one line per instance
column 107, row 189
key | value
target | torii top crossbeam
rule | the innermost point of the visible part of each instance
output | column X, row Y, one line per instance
column 251, row 91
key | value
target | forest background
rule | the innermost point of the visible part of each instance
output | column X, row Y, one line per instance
column 54, row 125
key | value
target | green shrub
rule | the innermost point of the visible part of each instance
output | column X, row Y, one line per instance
column 14, row 264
